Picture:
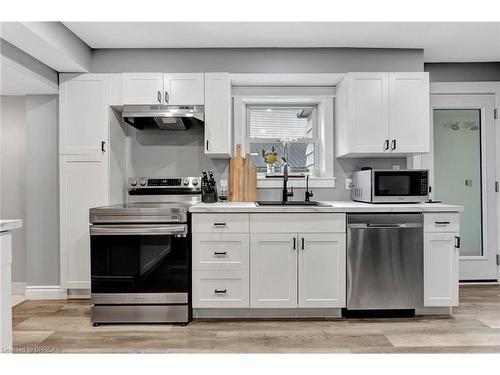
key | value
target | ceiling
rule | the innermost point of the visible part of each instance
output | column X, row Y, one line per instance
column 441, row 41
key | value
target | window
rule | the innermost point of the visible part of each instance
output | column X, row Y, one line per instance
column 304, row 115
column 268, row 124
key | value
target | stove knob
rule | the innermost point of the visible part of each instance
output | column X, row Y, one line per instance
column 142, row 182
column 133, row 182
column 185, row 181
column 195, row 182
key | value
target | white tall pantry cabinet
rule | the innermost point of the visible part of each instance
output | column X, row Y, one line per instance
column 83, row 169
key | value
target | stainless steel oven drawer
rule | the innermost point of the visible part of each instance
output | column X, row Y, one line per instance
column 140, row 314
column 138, row 298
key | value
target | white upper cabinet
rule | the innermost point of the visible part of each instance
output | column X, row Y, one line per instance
column 143, row 88
column 409, row 112
column 368, row 111
column 218, row 129
column 382, row 113
column 184, row 89
column 83, row 114
column 163, row 88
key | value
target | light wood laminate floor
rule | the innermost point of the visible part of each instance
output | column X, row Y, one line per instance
column 64, row 326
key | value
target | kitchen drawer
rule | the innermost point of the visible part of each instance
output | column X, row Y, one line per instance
column 297, row 223
column 220, row 289
column 442, row 222
column 220, row 223
column 220, row 251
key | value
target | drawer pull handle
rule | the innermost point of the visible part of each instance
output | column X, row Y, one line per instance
column 219, row 224
column 220, row 291
column 442, row 222
column 220, row 252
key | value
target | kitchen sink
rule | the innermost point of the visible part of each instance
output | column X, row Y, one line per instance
column 290, row 203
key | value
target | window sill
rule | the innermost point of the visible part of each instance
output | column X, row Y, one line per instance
column 277, row 183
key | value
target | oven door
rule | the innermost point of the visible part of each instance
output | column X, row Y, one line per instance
column 400, row 186
column 140, row 264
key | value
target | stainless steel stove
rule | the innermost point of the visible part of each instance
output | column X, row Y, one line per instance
column 141, row 253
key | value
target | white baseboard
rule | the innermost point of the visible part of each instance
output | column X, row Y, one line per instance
column 18, row 288
column 45, row 292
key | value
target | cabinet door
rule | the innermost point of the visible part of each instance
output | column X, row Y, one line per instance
column 83, row 113
column 409, row 112
column 368, row 113
column 322, row 267
column 143, row 88
column 273, row 270
column 440, row 269
column 218, row 129
column 83, row 185
column 184, row 88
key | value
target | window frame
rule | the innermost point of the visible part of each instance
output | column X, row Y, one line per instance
column 323, row 174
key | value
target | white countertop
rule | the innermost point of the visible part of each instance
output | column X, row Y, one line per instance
column 335, row 206
column 6, row 225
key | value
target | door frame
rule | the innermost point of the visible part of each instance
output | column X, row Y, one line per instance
column 473, row 88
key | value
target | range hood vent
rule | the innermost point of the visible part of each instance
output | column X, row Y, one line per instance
column 163, row 117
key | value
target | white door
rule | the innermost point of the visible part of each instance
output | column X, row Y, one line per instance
column 83, row 185
column 409, row 128
column 83, row 113
column 368, row 114
column 143, row 88
column 273, row 270
column 322, row 267
column 184, row 88
column 218, row 129
column 441, row 269
column 463, row 171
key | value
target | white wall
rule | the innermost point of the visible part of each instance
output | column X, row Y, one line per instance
column 29, row 185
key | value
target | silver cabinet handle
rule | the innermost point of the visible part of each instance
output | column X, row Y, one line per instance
column 159, row 96
column 167, row 97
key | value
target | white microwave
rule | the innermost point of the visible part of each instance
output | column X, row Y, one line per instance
column 390, row 186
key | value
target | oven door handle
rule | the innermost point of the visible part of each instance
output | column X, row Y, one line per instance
column 138, row 230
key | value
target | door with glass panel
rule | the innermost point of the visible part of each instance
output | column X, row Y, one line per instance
column 462, row 164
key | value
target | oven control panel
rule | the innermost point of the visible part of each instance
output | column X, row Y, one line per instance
column 169, row 182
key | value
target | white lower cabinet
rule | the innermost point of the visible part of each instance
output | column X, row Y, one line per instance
column 322, row 268
column 220, row 289
column 83, row 185
column 273, row 270
column 297, row 270
column 441, row 257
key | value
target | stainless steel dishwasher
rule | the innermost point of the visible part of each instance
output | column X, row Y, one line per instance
column 384, row 261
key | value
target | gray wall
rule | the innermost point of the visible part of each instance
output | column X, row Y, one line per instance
column 463, row 72
column 13, row 177
column 257, row 60
column 29, row 185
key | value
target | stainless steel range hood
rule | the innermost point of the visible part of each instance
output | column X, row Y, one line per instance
column 164, row 117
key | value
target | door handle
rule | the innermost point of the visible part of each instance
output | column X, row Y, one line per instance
column 159, row 96
column 167, row 97
column 393, row 144
column 457, row 242
column 386, row 145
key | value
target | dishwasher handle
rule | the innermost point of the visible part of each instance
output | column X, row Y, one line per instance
column 384, row 226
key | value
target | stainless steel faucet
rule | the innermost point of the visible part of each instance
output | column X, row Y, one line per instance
column 286, row 193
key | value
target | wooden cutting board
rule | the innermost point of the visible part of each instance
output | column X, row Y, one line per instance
column 242, row 178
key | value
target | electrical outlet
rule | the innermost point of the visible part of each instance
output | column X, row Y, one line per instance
column 348, row 183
